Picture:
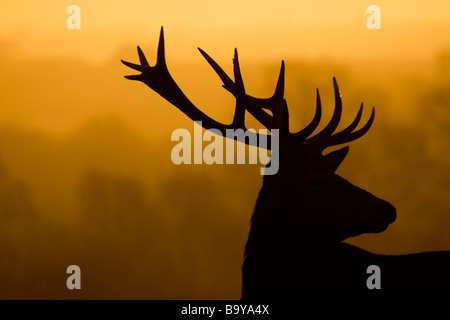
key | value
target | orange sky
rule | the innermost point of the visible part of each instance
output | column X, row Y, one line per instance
column 40, row 50
column 264, row 29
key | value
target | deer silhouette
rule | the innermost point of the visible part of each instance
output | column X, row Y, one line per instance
column 303, row 213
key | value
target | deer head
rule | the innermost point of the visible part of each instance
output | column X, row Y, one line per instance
column 304, row 170
column 306, row 199
column 309, row 197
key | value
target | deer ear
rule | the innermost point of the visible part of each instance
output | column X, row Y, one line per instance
column 335, row 158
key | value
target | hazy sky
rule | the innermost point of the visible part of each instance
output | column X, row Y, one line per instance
column 327, row 28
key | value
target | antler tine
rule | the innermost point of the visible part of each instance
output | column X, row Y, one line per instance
column 305, row 132
column 332, row 125
column 158, row 78
column 161, row 55
column 239, row 114
column 229, row 84
column 144, row 66
column 279, row 90
column 134, row 66
column 253, row 105
column 256, row 105
column 279, row 105
column 142, row 57
column 352, row 126
column 326, row 138
column 346, row 136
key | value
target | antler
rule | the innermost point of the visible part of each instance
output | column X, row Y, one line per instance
column 276, row 104
column 159, row 79
column 326, row 138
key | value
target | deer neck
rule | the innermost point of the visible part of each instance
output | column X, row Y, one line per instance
column 277, row 260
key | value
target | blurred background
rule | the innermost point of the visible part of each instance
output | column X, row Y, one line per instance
column 86, row 176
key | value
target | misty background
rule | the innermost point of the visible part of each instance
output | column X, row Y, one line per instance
column 86, row 176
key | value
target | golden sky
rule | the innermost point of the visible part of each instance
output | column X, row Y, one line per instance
column 281, row 29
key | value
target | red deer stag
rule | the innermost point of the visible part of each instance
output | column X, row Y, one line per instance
column 305, row 211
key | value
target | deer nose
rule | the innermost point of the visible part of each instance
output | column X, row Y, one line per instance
column 388, row 211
